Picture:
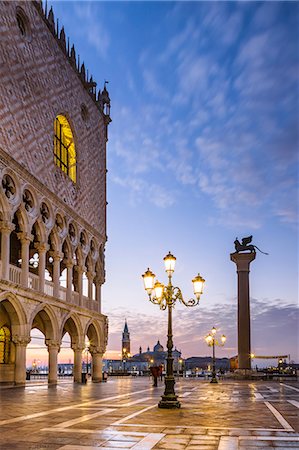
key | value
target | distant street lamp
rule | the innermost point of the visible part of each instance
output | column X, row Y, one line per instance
column 125, row 356
column 212, row 342
column 166, row 296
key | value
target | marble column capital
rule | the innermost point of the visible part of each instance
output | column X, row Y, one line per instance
column 80, row 269
column 25, row 238
column 21, row 341
column 90, row 275
column 52, row 344
column 69, row 263
column 56, row 255
column 96, row 350
column 6, row 226
column 41, row 247
column 77, row 347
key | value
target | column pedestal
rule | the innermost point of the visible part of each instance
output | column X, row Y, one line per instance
column 242, row 261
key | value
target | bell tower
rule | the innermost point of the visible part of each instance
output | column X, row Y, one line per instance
column 125, row 349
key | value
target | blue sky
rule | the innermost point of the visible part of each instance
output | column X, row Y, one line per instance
column 203, row 147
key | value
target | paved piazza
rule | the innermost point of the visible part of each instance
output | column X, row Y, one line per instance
column 123, row 414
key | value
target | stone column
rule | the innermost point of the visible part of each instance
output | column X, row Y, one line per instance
column 98, row 284
column 25, row 240
column 242, row 261
column 80, row 270
column 20, row 358
column 69, row 281
column 97, row 364
column 56, row 272
column 90, row 276
column 42, row 250
column 77, row 362
column 53, row 349
column 6, row 228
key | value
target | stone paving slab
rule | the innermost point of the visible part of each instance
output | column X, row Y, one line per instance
column 233, row 415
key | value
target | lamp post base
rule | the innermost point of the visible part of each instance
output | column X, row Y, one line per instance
column 169, row 402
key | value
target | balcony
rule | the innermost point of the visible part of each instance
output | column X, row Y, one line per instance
column 33, row 283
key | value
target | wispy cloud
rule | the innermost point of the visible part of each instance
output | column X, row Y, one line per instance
column 274, row 328
column 92, row 27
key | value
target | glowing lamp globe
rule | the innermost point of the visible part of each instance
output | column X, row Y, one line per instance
column 169, row 262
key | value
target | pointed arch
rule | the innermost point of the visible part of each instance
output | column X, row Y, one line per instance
column 73, row 327
column 44, row 319
column 93, row 332
column 13, row 308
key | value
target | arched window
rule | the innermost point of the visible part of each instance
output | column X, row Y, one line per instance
column 64, row 147
column 4, row 345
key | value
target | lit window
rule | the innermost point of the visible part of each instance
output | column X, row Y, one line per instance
column 4, row 345
column 64, row 147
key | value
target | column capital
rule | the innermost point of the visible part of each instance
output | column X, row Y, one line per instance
column 242, row 260
column 98, row 281
column 51, row 343
column 41, row 247
column 96, row 350
column 77, row 347
column 69, row 263
column 80, row 269
column 6, row 226
column 21, row 341
column 90, row 275
column 24, row 237
column 56, row 255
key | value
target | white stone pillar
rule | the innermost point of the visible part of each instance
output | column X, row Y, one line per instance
column 98, row 285
column 25, row 240
column 6, row 229
column 69, row 281
column 20, row 358
column 80, row 270
column 77, row 362
column 97, row 364
column 90, row 276
column 53, row 349
column 56, row 272
column 42, row 250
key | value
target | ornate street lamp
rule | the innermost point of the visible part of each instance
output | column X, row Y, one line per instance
column 166, row 297
column 212, row 342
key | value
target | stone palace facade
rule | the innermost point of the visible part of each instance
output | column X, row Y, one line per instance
column 53, row 136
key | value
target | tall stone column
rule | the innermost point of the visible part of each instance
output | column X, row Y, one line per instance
column 42, row 250
column 77, row 362
column 53, row 349
column 97, row 364
column 6, row 228
column 98, row 285
column 20, row 358
column 25, row 242
column 90, row 276
column 242, row 261
column 80, row 270
column 56, row 272
column 69, row 281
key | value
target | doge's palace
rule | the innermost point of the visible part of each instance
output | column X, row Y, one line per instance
column 53, row 136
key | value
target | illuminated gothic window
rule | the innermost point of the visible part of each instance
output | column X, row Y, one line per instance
column 64, row 147
column 4, row 345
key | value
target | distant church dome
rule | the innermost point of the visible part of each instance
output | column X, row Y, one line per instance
column 158, row 347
